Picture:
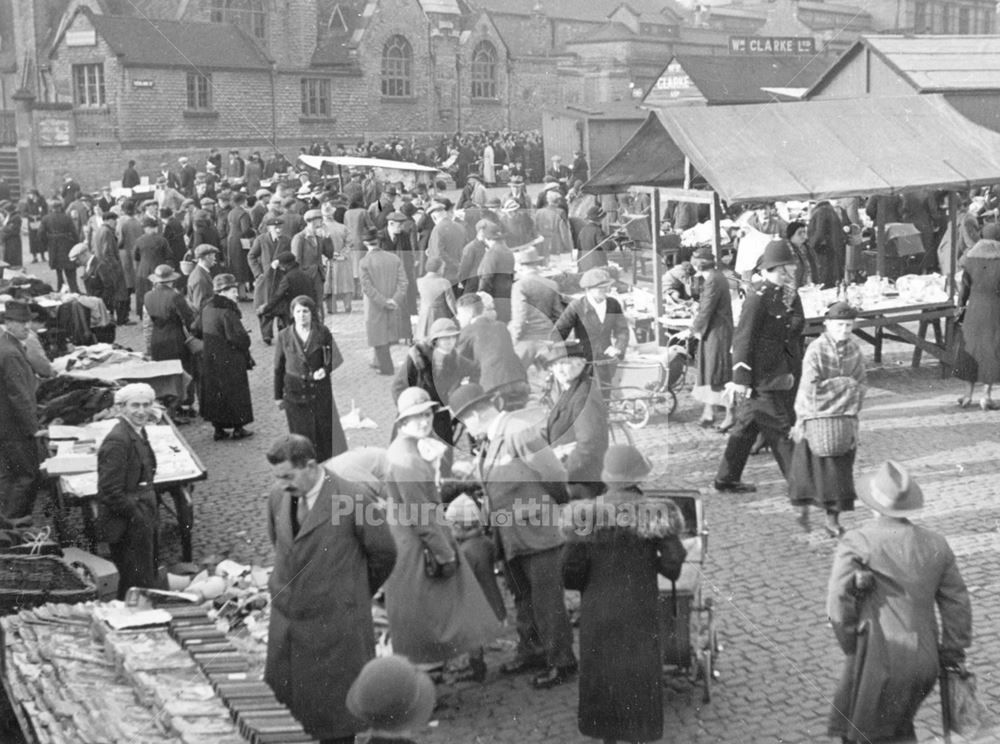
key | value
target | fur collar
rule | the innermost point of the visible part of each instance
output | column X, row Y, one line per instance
column 988, row 249
column 629, row 511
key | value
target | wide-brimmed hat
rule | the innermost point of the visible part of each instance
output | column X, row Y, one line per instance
column 465, row 397
column 891, row 491
column 205, row 249
column 164, row 273
column 595, row 278
column 391, row 695
column 841, row 311
column 777, row 253
column 17, row 310
column 623, row 463
column 596, row 214
column 511, row 205
column 413, row 401
column 474, row 177
column 222, row 282
column 562, row 350
column 441, row 328
column 529, row 256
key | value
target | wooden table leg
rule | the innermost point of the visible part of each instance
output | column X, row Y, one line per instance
column 878, row 344
column 917, row 351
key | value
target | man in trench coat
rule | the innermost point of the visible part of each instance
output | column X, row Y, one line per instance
column 263, row 259
column 383, row 282
column 330, row 558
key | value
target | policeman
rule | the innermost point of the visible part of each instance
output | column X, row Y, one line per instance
column 767, row 362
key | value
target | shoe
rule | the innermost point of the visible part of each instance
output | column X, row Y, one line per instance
column 242, row 433
column 726, row 425
column 987, row 404
column 803, row 520
column 523, row 664
column 220, row 434
column 964, row 402
column 835, row 532
column 734, row 487
column 553, row 677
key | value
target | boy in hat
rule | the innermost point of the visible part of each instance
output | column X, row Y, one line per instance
column 767, row 362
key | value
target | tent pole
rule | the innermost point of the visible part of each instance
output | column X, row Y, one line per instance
column 716, row 208
column 953, row 261
column 687, row 173
column 657, row 274
column 880, row 240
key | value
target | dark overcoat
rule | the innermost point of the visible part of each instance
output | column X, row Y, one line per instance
column 57, row 235
column 591, row 256
column 286, row 285
column 263, row 252
column 149, row 252
column 980, row 295
column 417, row 370
column 225, row 389
column 103, row 277
column 238, row 228
column 496, row 277
column 714, row 324
column 302, row 381
column 580, row 417
column 320, row 634
column 826, row 243
column 171, row 315
column 615, row 570
column 890, row 636
column 487, row 344
column 768, row 340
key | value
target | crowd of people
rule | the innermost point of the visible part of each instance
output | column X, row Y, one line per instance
column 473, row 477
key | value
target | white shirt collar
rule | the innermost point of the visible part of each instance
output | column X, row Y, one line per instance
column 313, row 493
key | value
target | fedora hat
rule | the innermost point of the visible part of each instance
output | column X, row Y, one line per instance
column 163, row 274
column 413, row 401
column 623, row 463
column 529, row 256
column 441, row 328
column 465, row 397
column 391, row 695
column 891, row 491
column 17, row 310
column 777, row 253
column 595, row 278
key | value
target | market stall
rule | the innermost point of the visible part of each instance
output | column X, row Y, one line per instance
column 393, row 171
column 808, row 151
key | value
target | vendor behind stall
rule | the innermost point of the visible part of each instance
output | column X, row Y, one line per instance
column 18, row 448
column 126, row 465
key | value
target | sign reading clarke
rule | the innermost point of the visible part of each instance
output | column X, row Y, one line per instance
column 793, row 45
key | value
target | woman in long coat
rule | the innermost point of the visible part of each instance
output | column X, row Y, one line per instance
column 615, row 569
column 886, row 579
column 239, row 229
column 304, row 357
column 431, row 619
column 357, row 223
column 340, row 269
column 832, row 384
column 980, row 295
column 713, row 327
column 171, row 317
column 225, row 389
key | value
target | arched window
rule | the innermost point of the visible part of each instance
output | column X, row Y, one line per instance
column 484, row 70
column 249, row 15
column 397, row 68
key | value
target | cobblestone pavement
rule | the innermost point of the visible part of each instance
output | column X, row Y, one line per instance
column 780, row 663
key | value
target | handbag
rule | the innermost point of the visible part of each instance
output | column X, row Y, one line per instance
column 831, row 436
column 964, row 711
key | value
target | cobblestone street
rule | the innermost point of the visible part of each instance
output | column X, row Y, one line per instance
column 780, row 663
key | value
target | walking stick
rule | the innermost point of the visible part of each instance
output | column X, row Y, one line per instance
column 945, row 688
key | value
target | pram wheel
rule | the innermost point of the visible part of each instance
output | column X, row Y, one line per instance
column 636, row 412
column 671, row 402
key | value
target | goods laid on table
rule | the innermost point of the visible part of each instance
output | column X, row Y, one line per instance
column 877, row 293
column 107, row 672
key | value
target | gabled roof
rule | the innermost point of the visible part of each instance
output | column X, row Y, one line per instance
column 840, row 17
column 595, row 11
column 930, row 63
column 141, row 42
column 337, row 42
column 737, row 79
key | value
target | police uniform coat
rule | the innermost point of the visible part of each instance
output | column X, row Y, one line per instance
column 382, row 279
column 320, row 634
column 149, row 252
column 767, row 343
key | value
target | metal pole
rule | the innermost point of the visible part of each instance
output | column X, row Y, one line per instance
column 953, row 262
column 716, row 208
column 657, row 276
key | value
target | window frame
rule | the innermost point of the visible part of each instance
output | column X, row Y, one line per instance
column 94, row 90
column 483, row 84
column 249, row 15
column 195, row 81
column 316, row 97
column 396, row 79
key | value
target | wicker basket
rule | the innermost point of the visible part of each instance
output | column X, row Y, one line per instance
column 29, row 581
column 831, row 436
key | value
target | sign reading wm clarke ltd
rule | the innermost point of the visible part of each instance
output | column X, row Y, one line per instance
column 792, row 45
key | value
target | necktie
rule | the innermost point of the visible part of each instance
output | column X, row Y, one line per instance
column 295, row 515
column 302, row 511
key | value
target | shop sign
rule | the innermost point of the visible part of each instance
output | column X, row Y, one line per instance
column 791, row 45
column 53, row 131
column 81, row 37
column 674, row 79
column 143, row 83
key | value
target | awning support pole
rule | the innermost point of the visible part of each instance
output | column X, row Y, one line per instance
column 953, row 262
column 716, row 209
column 654, row 217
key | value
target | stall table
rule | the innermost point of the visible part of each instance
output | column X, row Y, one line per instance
column 886, row 321
column 178, row 468
column 167, row 377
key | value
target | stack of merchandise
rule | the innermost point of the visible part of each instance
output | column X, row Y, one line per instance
column 77, row 679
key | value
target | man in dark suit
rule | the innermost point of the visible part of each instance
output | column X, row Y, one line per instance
column 199, row 282
column 332, row 551
column 186, row 177
column 289, row 281
column 487, row 343
column 598, row 323
column 263, row 260
column 523, row 482
column 496, row 270
column 126, row 466
column 767, row 363
column 18, row 412
column 577, row 426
